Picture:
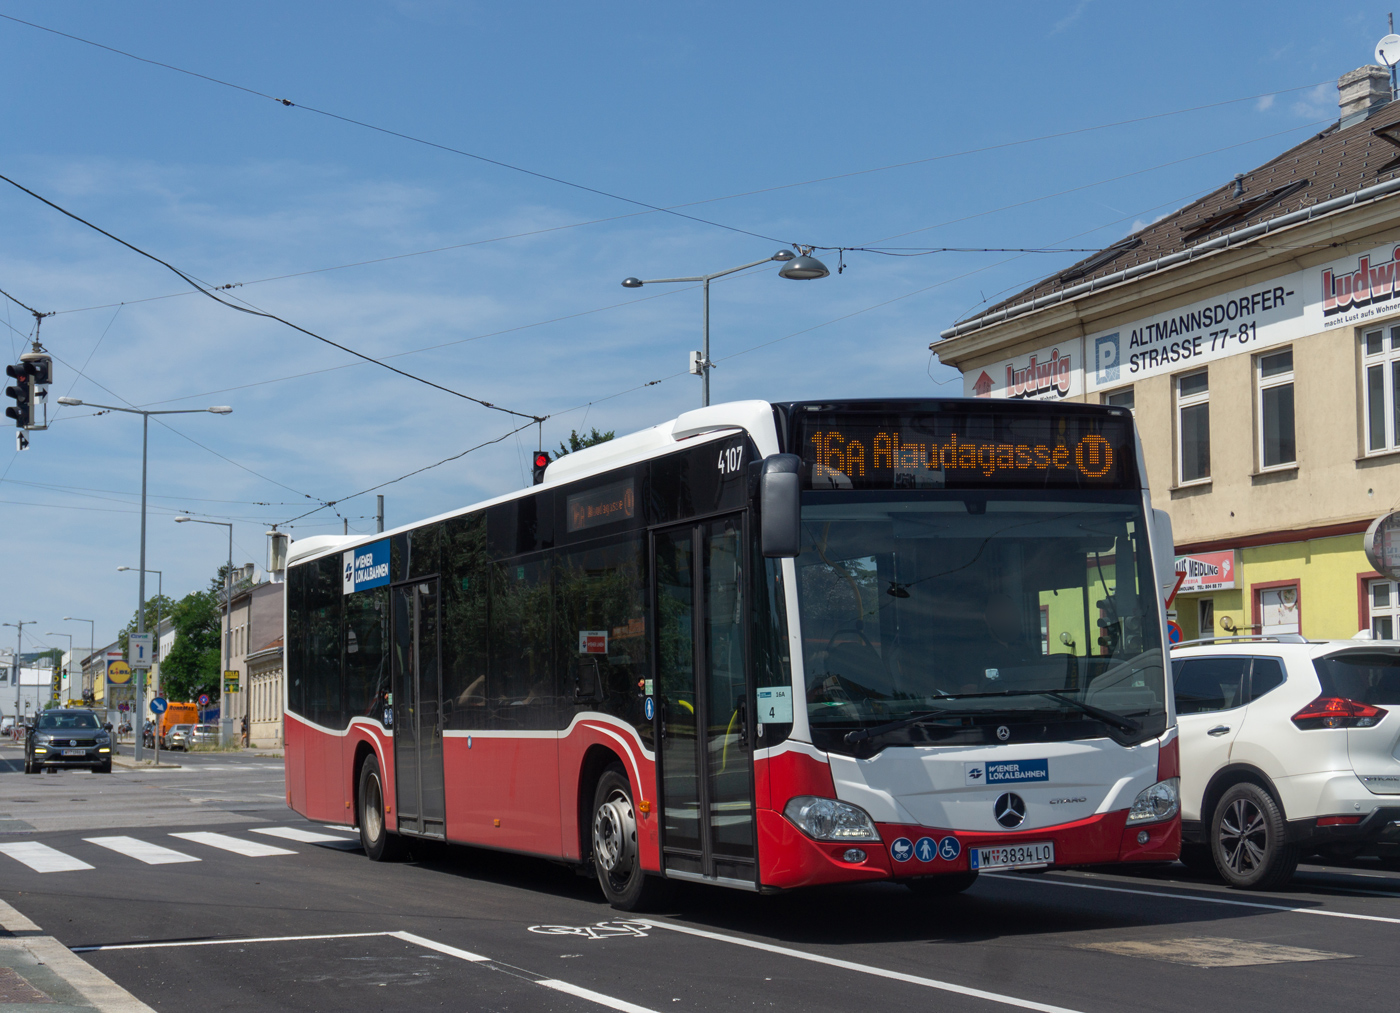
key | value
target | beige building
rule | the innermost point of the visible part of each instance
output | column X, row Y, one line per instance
column 255, row 653
column 1255, row 334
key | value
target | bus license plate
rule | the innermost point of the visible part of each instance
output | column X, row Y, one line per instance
column 1014, row 856
column 75, row 752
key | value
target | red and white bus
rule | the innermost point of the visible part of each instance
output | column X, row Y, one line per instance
column 762, row 646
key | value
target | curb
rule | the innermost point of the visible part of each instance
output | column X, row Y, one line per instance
column 126, row 763
column 35, row 957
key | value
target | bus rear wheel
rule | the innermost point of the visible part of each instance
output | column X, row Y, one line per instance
column 615, row 855
column 379, row 843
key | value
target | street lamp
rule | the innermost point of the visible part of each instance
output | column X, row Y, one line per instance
column 803, row 267
column 67, row 669
column 19, row 649
column 225, row 722
column 92, row 632
column 139, row 676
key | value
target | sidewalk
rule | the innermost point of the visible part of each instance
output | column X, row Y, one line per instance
column 36, row 968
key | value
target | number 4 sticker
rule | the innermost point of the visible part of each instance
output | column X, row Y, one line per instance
column 775, row 705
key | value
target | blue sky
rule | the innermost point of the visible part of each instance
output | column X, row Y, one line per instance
column 664, row 104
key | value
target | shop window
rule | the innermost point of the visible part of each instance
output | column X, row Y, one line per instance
column 1380, row 351
column 1277, row 610
column 1274, row 373
column 1193, row 427
column 1121, row 398
column 1205, row 617
column 1385, row 609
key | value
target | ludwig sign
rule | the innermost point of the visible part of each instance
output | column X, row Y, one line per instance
column 1382, row 544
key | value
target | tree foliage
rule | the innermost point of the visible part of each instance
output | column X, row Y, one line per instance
column 193, row 665
column 159, row 607
column 577, row 442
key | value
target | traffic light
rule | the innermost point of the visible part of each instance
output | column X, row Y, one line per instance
column 22, row 411
column 540, row 462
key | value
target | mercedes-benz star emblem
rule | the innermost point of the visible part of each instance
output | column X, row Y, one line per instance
column 1003, row 732
column 1009, row 810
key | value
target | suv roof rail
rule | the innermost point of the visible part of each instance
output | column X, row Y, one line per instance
column 1272, row 638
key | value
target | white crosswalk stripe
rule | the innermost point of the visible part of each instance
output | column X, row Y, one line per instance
column 249, row 849
column 42, row 858
column 142, row 851
column 304, row 836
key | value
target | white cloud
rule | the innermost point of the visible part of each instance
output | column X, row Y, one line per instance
column 1265, row 102
column 1069, row 19
column 1319, row 103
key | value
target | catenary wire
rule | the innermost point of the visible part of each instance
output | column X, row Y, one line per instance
column 265, row 314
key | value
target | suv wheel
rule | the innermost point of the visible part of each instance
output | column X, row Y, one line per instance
column 1248, row 840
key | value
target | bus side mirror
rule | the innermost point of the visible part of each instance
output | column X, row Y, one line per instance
column 1163, row 551
column 780, row 506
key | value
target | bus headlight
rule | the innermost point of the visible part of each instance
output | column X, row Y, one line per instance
column 826, row 819
column 1158, row 802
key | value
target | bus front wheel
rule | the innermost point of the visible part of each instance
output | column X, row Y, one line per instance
column 615, row 854
column 379, row 844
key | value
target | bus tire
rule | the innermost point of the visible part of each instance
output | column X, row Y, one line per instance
column 1249, row 840
column 941, row 886
column 616, row 858
column 379, row 843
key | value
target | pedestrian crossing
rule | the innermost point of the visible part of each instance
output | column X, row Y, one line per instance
column 43, row 858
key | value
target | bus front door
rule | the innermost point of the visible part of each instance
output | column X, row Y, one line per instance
column 702, row 695
column 417, row 688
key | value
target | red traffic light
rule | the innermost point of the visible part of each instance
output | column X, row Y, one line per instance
column 541, row 459
column 537, row 465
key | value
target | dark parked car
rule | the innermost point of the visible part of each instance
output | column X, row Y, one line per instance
column 68, row 738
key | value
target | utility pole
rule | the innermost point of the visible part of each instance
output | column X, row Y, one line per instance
column 19, row 645
column 379, row 515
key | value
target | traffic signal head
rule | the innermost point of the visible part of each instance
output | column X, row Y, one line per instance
column 540, row 462
column 22, row 411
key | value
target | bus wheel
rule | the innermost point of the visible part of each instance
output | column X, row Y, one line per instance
column 379, row 844
column 941, row 886
column 615, row 855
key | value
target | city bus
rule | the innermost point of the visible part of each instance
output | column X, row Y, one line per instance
column 762, row 646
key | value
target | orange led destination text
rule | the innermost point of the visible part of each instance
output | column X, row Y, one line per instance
column 1092, row 456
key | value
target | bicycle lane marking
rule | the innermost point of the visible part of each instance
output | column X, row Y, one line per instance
column 851, row 965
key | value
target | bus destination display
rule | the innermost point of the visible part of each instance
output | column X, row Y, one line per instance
column 965, row 450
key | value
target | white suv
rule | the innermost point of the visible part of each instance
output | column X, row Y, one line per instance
column 1289, row 748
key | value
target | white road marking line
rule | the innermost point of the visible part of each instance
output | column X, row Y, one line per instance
column 430, row 944
column 249, row 849
column 297, row 834
column 345, row 830
column 42, row 858
column 142, row 851
column 225, row 942
column 1197, row 897
column 850, row 965
column 591, row 996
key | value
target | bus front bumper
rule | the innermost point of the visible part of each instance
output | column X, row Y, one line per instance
column 789, row 858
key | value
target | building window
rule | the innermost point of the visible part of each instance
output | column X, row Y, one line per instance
column 1277, row 447
column 1205, row 617
column 1193, row 427
column 1381, row 373
column 1385, row 609
column 1121, row 398
column 1277, row 609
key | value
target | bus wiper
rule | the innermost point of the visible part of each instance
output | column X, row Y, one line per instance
column 1106, row 716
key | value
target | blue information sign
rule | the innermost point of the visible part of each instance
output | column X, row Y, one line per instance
column 365, row 567
column 158, row 705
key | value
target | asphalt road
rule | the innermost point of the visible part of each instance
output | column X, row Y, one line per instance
column 310, row 924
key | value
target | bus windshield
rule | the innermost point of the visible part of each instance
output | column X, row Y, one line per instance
column 979, row 611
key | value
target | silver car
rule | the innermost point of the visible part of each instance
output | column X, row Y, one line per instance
column 205, row 735
column 179, row 737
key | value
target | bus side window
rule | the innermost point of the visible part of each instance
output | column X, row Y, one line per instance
column 522, row 688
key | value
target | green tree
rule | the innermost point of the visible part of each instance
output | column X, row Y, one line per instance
column 192, row 667
column 577, row 442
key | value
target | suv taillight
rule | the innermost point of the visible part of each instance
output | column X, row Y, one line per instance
column 1338, row 712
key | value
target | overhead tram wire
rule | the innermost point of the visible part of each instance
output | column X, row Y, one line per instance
column 650, row 208
column 263, row 313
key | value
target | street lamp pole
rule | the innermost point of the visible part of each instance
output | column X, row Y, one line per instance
column 803, row 267
column 68, row 668
column 139, row 675
column 19, row 646
column 92, row 632
column 225, row 722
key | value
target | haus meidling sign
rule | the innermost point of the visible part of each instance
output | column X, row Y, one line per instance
column 1244, row 321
